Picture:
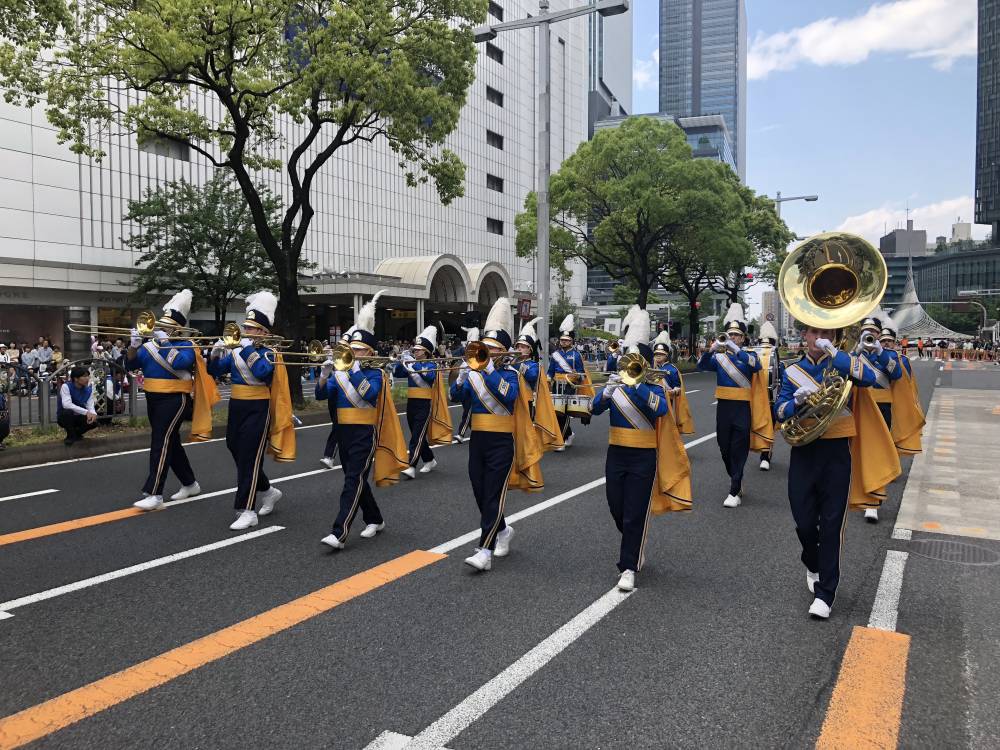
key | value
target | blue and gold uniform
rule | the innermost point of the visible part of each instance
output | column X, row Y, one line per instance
column 421, row 378
column 611, row 365
column 566, row 371
column 630, row 467
column 734, row 375
column 887, row 368
column 819, row 473
column 251, row 370
column 355, row 395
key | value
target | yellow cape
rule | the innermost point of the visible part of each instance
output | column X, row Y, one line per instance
column 206, row 395
column 439, row 431
column 761, row 425
column 281, row 441
column 391, row 454
column 672, row 485
column 682, row 410
column 907, row 416
column 874, row 460
column 526, row 473
column 546, row 424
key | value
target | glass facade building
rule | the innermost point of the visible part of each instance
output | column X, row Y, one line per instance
column 703, row 64
column 988, row 118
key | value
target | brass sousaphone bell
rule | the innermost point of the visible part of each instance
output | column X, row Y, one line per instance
column 830, row 281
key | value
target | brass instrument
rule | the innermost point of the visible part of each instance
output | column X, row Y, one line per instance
column 343, row 358
column 632, row 370
column 477, row 355
column 722, row 338
column 831, row 281
column 613, row 347
column 145, row 323
column 316, row 352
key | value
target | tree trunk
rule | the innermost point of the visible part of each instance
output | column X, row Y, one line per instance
column 643, row 295
column 693, row 314
column 289, row 323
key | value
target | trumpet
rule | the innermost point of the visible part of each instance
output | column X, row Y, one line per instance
column 145, row 323
column 722, row 338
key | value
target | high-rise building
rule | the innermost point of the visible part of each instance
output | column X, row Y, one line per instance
column 703, row 64
column 988, row 118
column 609, row 67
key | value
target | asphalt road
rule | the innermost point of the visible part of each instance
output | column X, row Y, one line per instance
column 713, row 650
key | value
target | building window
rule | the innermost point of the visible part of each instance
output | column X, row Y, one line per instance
column 152, row 144
column 494, row 226
column 494, row 183
column 495, row 10
column 494, row 139
column 494, row 53
column 492, row 95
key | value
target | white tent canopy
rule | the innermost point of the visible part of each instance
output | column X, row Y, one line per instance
column 913, row 320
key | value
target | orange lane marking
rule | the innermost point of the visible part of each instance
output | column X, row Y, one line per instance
column 60, row 712
column 76, row 523
column 931, row 525
column 867, row 701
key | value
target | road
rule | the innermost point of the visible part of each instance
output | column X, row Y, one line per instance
column 272, row 641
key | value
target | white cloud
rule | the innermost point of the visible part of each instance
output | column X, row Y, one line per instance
column 646, row 73
column 936, row 218
column 939, row 30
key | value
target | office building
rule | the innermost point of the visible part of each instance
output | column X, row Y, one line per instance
column 771, row 309
column 904, row 242
column 703, row 64
column 609, row 67
column 988, row 118
column 62, row 256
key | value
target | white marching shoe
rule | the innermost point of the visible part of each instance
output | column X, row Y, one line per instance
column 503, row 542
column 409, row 473
column 150, row 502
column 627, row 581
column 327, row 462
column 456, row 439
column 372, row 529
column 819, row 609
column 871, row 515
column 482, row 560
column 569, row 441
column 428, row 467
column 811, row 580
column 732, row 501
column 330, row 540
column 187, row 491
column 765, row 465
column 268, row 500
column 244, row 520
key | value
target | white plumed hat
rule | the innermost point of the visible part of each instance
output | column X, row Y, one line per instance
column 528, row 335
column 427, row 339
column 499, row 324
column 735, row 320
column 471, row 334
column 662, row 342
column 767, row 331
column 178, row 309
column 364, row 324
column 566, row 327
column 637, row 338
column 261, row 307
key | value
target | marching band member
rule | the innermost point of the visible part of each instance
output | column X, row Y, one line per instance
column 836, row 470
column 770, row 362
column 330, row 449
column 742, row 417
column 543, row 413
column 567, row 371
column 907, row 420
column 260, row 410
column 174, row 373
column 611, row 365
column 674, row 384
column 504, row 451
column 368, row 431
column 647, row 468
column 426, row 404
column 471, row 334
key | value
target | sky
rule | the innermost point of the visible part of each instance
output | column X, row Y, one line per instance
column 870, row 105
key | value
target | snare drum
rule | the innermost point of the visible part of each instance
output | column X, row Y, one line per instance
column 578, row 406
column 559, row 402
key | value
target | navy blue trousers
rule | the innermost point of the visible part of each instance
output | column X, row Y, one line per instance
column 886, row 410
column 491, row 456
column 166, row 412
column 246, row 439
column 819, row 480
column 630, row 473
column 732, row 432
column 357, row 453
column 418, row 417
column 466, row 422
column 331, row 440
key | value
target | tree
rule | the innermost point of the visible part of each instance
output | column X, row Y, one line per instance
column 253, row 85
column 202, row 239
column 562, row 307
column 626, row 294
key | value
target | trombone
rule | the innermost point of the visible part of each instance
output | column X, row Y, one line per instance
column 634, row 369
column 315, row 353
column 145, row 323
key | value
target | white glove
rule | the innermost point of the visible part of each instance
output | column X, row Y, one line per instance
column 675, row 391
column 160, row 334
column 878, row 347
column 717, row 346
column 804, row 392
column 826, row 345
column 463, row 374
column 732, row 346
column 356, row 367
column 245, row 342
column 490, row 367
column 218, row 348
column 406, row 356
column 327, row 370
column 136, row 339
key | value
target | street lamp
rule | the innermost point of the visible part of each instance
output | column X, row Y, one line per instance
column 543, row 21
column 779, row 200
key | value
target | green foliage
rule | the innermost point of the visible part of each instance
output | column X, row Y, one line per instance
column 957, row 320
column 559, row 309
column 202, row 239
column 627, row 294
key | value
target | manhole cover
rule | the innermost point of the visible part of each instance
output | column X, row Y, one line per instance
column 956, row 552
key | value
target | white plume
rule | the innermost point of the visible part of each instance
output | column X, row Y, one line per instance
column 366, row 317
column 264, row 301
column 662, row 338
column 528, row 329
column 431, row 334
column 735, row 314
column 767, row 330
column 471, row 334
column 567, row 324
column 638, row 331
column 501, row 318
column 181, row 302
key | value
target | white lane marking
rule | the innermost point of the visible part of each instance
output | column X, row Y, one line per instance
column 471, row 536
column 392, row 741
column 482, row 700
column 937, row 382
column 696, row 390
column 714, row 403
column 885, row 610
column 27, row 494
column 5, row 607
column 146, row 450
column 903, row 535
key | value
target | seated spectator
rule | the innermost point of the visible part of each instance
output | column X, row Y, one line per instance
column 75, row 411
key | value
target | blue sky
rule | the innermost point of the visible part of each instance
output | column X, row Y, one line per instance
column 870, row 105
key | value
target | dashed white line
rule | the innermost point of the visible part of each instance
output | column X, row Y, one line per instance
column 904, row 535
column 27, row 494
column 23, row 601
column 885, row 610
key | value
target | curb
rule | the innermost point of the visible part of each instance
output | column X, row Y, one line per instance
column 30, row 455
